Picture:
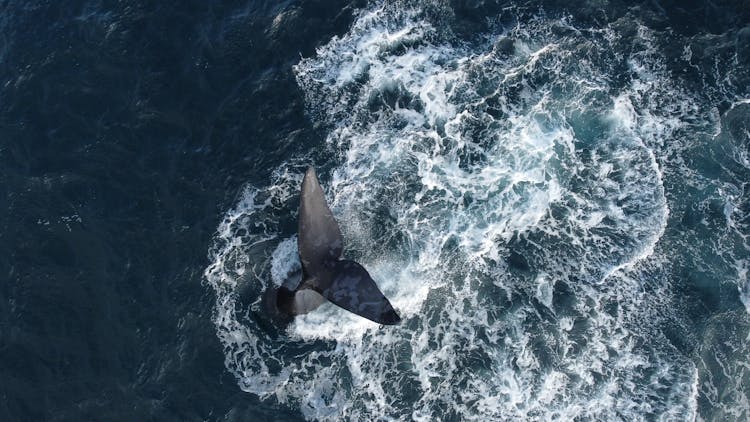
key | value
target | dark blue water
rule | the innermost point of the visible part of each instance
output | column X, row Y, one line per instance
column 555, row 195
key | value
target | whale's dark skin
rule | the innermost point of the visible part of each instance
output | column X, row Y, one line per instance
column 325, row 276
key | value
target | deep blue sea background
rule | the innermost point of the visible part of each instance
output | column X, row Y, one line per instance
column 128, row 129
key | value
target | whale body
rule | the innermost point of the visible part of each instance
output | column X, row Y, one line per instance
column 325, row 276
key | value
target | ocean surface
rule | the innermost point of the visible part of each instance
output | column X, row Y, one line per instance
column 554, row 195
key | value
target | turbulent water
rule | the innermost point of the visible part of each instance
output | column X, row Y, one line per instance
column 555, row 199
column 544, row 202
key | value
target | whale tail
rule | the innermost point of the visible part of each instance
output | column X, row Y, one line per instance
column 345, row 283
column 352, row 288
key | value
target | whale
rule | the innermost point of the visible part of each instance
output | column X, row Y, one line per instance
column 325, row 276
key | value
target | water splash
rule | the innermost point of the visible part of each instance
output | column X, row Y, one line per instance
column 508, row 196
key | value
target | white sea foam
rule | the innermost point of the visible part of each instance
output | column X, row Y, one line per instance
column 474, row 185
column 284, row 260
column 743, row 283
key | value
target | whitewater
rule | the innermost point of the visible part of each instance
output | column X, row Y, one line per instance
column 531, row 202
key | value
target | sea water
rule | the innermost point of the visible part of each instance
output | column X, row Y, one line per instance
column 557, row 209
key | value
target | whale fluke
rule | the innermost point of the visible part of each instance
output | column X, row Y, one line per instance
column 353, row 289
column 319, row 238
column 325, row 275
